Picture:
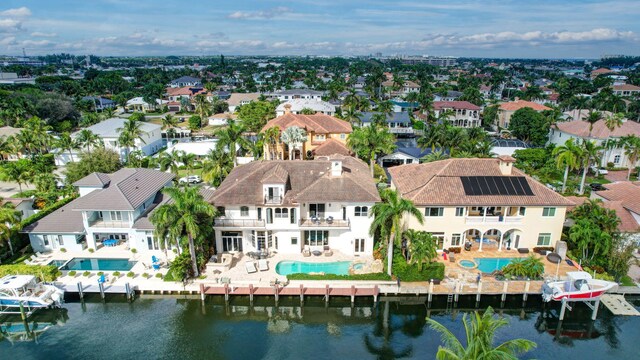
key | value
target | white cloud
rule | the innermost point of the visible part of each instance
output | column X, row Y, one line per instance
column 17, row 12
column 10, row 25
column 8, row 41
column 261, row 14
column 43, row 34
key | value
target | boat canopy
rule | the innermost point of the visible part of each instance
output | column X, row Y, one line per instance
column 15, row 281
column 578, row 275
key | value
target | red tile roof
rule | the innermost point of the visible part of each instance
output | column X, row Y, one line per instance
column 626, row 87
column 331, row 147
column 519, row 104
column 623, row 191
column 318, row 123
column 600, row 129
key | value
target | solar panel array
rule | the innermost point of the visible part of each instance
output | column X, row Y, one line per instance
column 496, row 185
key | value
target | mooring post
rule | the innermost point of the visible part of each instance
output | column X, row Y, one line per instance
column 250, row 292
column 127, row 288
column 504, row 290
column 202, row 292
column 22, row 313
column 101, row 287
column 526, row 290
column 562, row 309
column 457, row 289
column 430, row 296
column 596, row 305
column 376, row 292
column 301, row 294
column 226, row 292
column 478, row 294
column 80, row 290
column 327, row 293
column 353, row 294
column 275, row 291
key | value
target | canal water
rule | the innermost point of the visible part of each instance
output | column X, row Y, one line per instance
column 181, row 328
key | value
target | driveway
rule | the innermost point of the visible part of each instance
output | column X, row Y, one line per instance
column 7, row 189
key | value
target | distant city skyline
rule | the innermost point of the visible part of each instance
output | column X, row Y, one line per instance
column 461, row 28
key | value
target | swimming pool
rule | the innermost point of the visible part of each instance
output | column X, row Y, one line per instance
column 489, row 265
column 99, row 264
column 57, row 263
column 295, row 267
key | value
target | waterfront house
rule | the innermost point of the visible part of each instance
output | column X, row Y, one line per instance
column 110, row 207
column 318, row 127
column 291, row 94
column 238, row 99
column 140, row 105
column 626, row 90
column 459, row 113
column 291, row 206
column 575, row 127
column 487, row 202
column 398, row 123
column 297, row 105
column 506, row 110
column 100, row 103
column 624, row 198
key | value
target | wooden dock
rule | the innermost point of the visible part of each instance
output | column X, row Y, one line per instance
column 299, row 291
column 618, row 305
column 99, row 288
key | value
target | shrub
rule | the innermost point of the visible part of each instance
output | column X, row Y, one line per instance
column 409, row 272
column 44, row 212
column 134, row 250
column 116, row 274
column 159, row 275
column 145, row 275
column 372, row 276
column 100, row 273
column 63, row 250
column 130, row 274
column 86, row 274
column 531, row 267
column 91, row 250
column 455, row 250
column 72, row 273
column 43, row 272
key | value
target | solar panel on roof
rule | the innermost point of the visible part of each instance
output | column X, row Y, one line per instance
column 496, row 185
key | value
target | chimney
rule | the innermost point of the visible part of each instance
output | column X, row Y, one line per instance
column 287, row 108
column 336, row 168
column 506, row 164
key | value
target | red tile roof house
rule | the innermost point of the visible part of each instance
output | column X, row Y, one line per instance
column 624, row 198
column 626, row 90
column 579, row 130
column 506, row 110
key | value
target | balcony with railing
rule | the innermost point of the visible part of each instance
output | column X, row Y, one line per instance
column 101, row 223
column 249, row 223
column 273, row 200
column 328, row 222
column 494, row 219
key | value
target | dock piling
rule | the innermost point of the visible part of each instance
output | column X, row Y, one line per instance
column 301, row 294
column 80, row 292
column 226, row 292
column 101, row 287
column 526, row 290
column 202, row 292
column 505, row 286
column 327, row 293
column 353, row 294
column 376, row 292
column 430, row 296
column 127, row 289
column 251, row 293
column 478, row 294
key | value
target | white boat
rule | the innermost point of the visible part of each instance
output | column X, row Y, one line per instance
column 25, row 290
column 577, row 285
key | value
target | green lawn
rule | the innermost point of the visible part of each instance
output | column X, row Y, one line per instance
column 627, row 281
column 183, row 173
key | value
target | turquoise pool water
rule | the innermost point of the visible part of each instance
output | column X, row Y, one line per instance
column 489, row 265
column 467, row 263
column 295, row 267
column 99, row 264
column 57, row 263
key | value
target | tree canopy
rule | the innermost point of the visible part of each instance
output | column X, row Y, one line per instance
column 530, row 125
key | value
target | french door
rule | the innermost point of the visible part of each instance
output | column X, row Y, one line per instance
column 359, row 246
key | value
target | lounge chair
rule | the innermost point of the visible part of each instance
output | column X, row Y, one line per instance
column 42, row 255
column 452, row 257
column 263, row 265
column 327, row 251
column 306, row 252
column 250, row 266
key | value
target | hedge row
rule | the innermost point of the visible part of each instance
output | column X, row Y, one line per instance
column 44, row 212
column 372, row 276
column 44, row 272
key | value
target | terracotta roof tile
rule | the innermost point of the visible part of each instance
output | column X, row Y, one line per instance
column 439, row 105
column 600, row 130
column 318, row 123
column 519, row 104
column 624, row 191
column 330, row 147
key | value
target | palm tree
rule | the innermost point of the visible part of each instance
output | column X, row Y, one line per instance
column 203, row 106
column 216, row 166
column 567, row 155
column 130, row 131
column 170, row 161
column 270, row 137
column 168, row 123
column 231, row 137
column 480, row 332
column 135, row 159
column 352, row 115
column 434, row 136
column 422, row 247
column 185, row 216
column 293, row 136
column 435, row 156
column 632, row 151
column 592, row 118
column 88, row 139
column 9, row 220
column 371, row 141
column 18, row 171
column 7, row 146
column 187, row 159
column 388, row 219
column 590, row 153
column 66, row 142
column 385, row 107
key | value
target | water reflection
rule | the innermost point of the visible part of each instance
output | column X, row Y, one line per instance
column 14, row 329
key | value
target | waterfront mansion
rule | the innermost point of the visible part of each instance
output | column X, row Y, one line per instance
column 112, row 209
column 296, row 206
column 487, row 203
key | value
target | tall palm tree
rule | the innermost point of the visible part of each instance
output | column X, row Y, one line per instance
column 632, row 151
column 352, row 115
column 169, row 161
column 7, row 146
column 293, row 136
column 480, row 332
column 385, row 107
column 130, row 131
column 592, row 118
column 434, row 136
column 9, row 220
column 66, row 142
column 271, row 137
column 388, row 219
column 185, row 216
column 188, row 160
column 612, row 122
column 203, row 106
column 435, row 156
column 216, row 166
column 370, row 142
column 567, row 155
column 590, row 154
column 231, row 138
column 88, row 139
column 169, row 122
column 18, row 171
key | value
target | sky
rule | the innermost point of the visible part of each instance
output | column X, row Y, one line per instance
column 463, row 28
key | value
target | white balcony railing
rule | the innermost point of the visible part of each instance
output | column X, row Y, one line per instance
column 493, row 219
column 239, row 222
column 109, row 224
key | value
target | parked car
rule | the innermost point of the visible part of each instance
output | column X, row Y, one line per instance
column 191, row 179
column 597, row 187
column 599, row 170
